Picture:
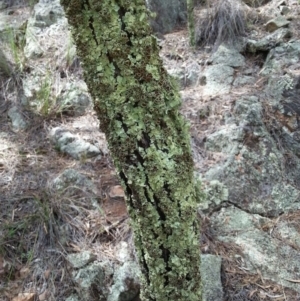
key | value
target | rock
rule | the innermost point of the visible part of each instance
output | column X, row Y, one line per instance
column 268, row 42
column 179, row 75
column 79, row 260
column 72, row 178
column 73, row 298
column 47, row 13
column 169, row 14
column 244, row 80
column 225, row 140
column 276, row 23
column 227, row 56
column 275, row 261
column 217, row 79
column 188, row 75
column 17, row 119
column 192, row 72
column 72, row 145
column 211, row 278
column 284, row 9
column 123, row 252
column 74, row 99
column 92, row 280
column 126, row 284
column 215, row 194
column 32, row 50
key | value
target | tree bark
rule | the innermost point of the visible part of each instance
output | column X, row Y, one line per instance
column 138, row 107
column 191, row 21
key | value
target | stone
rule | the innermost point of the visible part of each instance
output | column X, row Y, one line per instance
column 17, row 119
column 275, row 261
column 276, row 23
column 73, row 298
column 227, row 56
column 72, row 145
column 212, row 289
column 217, row 79
column 79, row 260
column 126, row 284
column 169, row 14
column 92, row 279
column 47, row 13
column 74, row 99
column 73, row 178
column 268, row 42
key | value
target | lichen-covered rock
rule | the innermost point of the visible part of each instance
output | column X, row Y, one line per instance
column 73, row 298
column 268, row 42
column 217, row 79
column 93, row 279
column 276, row 23
column 72, row 145
column 17, row 119
column 169, row 14
column 79, row 260
column 47, row 13
column 74, row 99
column 187, row 76
column 211, row 278
column 275, row 260
column 227, row 56
column 73, row 178
column 126, row 282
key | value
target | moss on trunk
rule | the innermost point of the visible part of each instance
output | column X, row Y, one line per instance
column 138, row 107
column 191, row 21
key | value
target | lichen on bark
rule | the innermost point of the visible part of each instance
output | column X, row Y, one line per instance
column 138, row 106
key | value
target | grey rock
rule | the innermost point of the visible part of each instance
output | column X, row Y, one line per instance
column 227, row 56
column 32, row 49
column 244, row 80
column 72, row 145
column 211, row 278
column 217, row 79
column 284, row 9
column 92, row 279
column 179, row 75
column 288, row 233
column 17, row 119
column 74, row 179
column 225, row 140
column 79, row 149
column 79, row 260
column 215, row 194
column 169, row 14
column 276, row 23
column 126, row 284
column 123, row 252
column 276, row 261
column 192, row 72
column 186, row 76
column 74, row 100
column 73, row 298
column 47, row 13
column 268, row 42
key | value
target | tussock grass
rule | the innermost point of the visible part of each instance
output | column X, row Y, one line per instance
column 224, row 21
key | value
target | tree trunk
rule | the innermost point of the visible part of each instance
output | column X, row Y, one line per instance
column 191, row 21
column 138, row 107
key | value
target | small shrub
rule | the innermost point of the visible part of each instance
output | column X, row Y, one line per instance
column 224, row 21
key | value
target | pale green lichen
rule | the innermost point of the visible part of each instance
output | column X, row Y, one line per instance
column 137, row 104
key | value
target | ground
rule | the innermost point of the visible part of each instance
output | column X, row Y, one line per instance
column 39, row 227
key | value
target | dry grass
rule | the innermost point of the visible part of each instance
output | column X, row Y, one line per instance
column 224, row 21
